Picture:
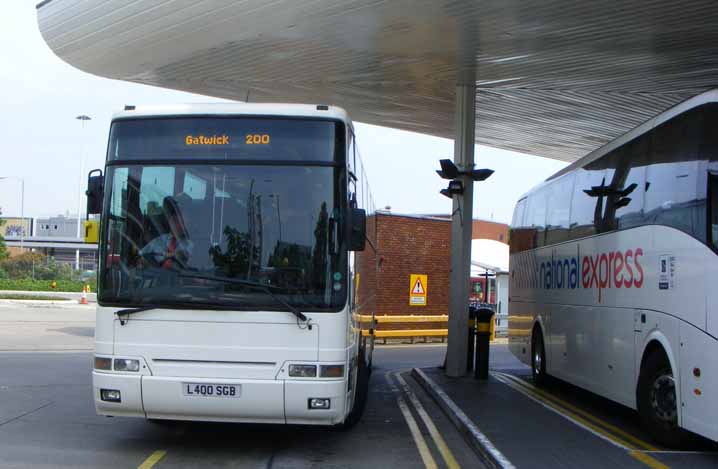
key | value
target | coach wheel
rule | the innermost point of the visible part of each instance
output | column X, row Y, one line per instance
column 657, row 401
column 538, row 358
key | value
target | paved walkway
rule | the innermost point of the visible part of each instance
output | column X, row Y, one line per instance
column 539, row 428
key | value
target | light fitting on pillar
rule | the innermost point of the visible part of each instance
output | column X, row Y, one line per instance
column 450, row 171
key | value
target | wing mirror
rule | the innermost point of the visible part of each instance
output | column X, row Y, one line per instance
column 95, row 191
column 356, row 229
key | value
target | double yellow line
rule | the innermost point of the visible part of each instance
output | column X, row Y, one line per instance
column 419, row 440
column 153, row 459
column 635, row 446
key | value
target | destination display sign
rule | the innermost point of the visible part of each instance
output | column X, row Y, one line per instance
column 233, row 138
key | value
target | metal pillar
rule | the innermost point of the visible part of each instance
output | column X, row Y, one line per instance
column 461, row 224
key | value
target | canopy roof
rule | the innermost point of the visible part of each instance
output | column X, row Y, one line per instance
column 556, row 78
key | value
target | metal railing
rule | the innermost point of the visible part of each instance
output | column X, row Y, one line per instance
column 500, row 326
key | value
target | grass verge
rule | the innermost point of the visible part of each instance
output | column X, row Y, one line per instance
column 42, row 285
column 18, row 296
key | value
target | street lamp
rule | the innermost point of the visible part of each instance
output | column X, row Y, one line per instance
column 22, row 208
column 82, row 118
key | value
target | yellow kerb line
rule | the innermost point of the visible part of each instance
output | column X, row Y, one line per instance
column 153, row 459
column 446, row 453
column 632, row 450
column 637, row 441
column 647, row 460
column 419, row 440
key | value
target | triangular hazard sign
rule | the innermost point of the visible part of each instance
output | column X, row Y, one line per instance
column 418, row 288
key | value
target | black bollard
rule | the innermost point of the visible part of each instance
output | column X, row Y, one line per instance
column 472, row 340
column 483, row 335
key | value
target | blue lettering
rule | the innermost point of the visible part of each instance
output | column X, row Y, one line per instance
column 573, row 274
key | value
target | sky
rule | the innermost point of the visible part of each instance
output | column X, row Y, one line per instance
column 43, row 143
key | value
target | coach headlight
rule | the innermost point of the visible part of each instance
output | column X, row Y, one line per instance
column 126, row 364
column 303, row 371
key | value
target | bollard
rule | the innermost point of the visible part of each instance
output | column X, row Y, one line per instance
column 472, row 337
column 483, row 335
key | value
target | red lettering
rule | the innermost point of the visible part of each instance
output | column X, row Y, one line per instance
column 594, row 275
column 585, row 266
column 617, row 268
column 610, row 268
column 603, row 271
column 628, row 282
column 602, row 274
column 638, row 283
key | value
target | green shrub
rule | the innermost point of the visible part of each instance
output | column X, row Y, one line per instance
column 43, row 285
column 33, row 265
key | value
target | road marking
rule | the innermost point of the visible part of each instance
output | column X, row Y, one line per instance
column 602, row 433
column 647, row 460
column 419, row 440
column 446, row 453
column 643, row 445
column 153, row 459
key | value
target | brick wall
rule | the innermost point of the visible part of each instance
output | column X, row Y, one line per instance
column 408, row 245
column 484, row 229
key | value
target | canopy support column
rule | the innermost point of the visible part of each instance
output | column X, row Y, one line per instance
column 461, row 224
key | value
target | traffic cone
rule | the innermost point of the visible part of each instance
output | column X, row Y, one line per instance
column 83, row 298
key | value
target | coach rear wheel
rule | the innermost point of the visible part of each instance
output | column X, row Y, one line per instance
column 538, row 358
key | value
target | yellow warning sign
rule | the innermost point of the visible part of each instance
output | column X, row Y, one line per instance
column 417, row 289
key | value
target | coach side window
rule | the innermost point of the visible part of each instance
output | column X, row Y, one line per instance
column 713, row 206
column 624, row 208
column 518, row 219
column 559, row 196
column 672, row 195
column 586, row 206
column 536, row 216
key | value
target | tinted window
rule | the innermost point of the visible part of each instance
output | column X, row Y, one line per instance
column 559, row 206
column 587, row 204
column 518, row 218
column 621, row 197
column 672, row 178
column 536, row 215
column 277, row 226
column 629, row 183
column 226, row 139
column 713, row 198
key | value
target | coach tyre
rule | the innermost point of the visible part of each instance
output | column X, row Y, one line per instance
column 657, row 403
column 538, row 358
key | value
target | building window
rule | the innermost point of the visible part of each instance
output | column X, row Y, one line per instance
column 501, row 237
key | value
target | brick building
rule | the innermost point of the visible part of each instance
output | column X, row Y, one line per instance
column 412, row 244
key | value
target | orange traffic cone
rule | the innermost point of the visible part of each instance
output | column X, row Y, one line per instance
column 83, row 298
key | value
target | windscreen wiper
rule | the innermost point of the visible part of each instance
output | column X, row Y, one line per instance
column 128, row 311
column 259, row 286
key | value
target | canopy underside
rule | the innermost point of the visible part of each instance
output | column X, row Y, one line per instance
column 555, row 78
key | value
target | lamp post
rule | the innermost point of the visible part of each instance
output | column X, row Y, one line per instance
column 22, row 208
column 82, row 118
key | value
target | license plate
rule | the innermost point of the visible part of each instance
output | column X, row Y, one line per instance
column 210, row 390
